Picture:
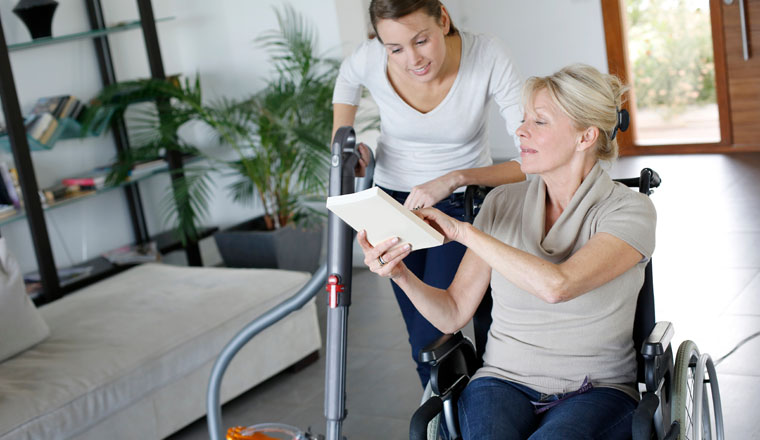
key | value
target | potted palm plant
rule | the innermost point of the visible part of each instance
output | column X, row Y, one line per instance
column 280, row 138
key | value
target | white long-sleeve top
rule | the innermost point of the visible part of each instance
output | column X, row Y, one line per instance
column 414, row 147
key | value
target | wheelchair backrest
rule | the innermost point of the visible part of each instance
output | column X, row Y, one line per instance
column 644, row 319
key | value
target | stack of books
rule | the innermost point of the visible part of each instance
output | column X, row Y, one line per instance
column 134, row 254
column 42, row 123
column 76, row 186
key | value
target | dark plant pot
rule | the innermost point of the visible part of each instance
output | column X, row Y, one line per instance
column 37, row 15
column 250, row 245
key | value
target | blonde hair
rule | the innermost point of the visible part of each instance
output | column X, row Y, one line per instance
column 588, row 97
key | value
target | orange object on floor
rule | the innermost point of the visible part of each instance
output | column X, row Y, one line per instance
column 238, row 433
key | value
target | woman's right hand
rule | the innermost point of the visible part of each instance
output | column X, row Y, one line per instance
column 384, row 259
column 361, row 165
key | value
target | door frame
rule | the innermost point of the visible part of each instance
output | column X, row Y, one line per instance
column 617, row 61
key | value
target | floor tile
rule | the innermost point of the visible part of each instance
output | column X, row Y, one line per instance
column 748, row 301
column 740, row 399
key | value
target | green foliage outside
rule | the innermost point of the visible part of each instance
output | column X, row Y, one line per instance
column 671, row 53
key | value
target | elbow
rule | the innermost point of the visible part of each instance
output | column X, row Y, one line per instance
column 555, row 290
column 454, row 321
column 450, row 327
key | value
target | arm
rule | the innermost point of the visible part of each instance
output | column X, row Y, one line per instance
column 430, row 193
column 603, row 258
column 343, row 114
column 448, row 310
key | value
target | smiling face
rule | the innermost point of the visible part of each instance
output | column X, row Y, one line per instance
column 548, row 138
column 416, row 44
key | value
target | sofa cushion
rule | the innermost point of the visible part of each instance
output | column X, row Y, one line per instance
column 21, row 325
column 118, row 340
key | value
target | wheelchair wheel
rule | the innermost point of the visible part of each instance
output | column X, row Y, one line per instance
column 699, row 413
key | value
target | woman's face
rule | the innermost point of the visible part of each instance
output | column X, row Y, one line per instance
column 415, row 44
column 548, row 139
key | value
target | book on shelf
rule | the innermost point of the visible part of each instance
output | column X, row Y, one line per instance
column 39, row 125
column 93, row 179
column 97, row 181
column 143, row 168
column 134, row 254
column 66, row 107
column 10, row 182
column 60, row 192
column 383, row 217
column 49, row 132
column 77, row 110
column 65, row 275
column 5, row 196
column 49, row 104
column 42, row 122
column 7, row 211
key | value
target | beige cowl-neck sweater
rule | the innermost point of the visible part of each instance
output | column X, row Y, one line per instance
column 553, row 347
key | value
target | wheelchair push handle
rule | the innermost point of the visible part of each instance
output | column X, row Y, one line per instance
column 647, row 180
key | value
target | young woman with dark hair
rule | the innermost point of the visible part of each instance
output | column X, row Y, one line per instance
column 432, row 84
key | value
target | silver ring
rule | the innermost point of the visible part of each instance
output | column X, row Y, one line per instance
column 417, row 208
column 380, row 260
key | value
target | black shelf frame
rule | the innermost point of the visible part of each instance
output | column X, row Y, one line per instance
column 51, row 285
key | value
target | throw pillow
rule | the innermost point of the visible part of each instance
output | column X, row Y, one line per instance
column 21, row 325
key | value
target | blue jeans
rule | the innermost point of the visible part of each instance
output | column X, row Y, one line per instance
column 491, row 408
column 436, row 267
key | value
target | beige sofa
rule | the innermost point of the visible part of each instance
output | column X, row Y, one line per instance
column 130, row 356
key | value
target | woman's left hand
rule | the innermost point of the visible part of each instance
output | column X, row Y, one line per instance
column 450, row 228
column 385, row 259
column 429, row 193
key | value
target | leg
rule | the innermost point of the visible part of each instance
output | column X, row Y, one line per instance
column 491, row 408
column 602, row 413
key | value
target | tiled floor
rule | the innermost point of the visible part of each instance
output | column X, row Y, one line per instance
column 707, row 282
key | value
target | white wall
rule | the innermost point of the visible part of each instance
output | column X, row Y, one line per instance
column 543, row 35
column 214, row 39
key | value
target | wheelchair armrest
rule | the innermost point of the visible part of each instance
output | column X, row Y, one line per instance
column 422, row 417
column 658, row 356
column 434, row 352
column 658, row 340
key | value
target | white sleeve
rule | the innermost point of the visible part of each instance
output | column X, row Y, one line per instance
column 506, row 88
column 348, row 86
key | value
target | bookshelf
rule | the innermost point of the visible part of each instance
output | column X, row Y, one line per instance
column 21, row 215
column 67, row 129
column 81, row 35
column 20, row 145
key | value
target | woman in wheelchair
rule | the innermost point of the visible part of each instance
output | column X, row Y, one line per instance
column 564, row 253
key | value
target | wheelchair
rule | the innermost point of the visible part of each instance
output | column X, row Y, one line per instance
column 675, row 402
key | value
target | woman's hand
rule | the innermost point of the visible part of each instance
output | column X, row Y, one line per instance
column 361, row 166
column 450, row 228
column 430, row 193
column 383, row 259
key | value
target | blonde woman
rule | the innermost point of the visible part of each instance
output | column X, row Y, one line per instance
column 564, row 253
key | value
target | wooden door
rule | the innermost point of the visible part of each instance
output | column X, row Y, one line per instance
column 743, row 74
column 737, row 79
